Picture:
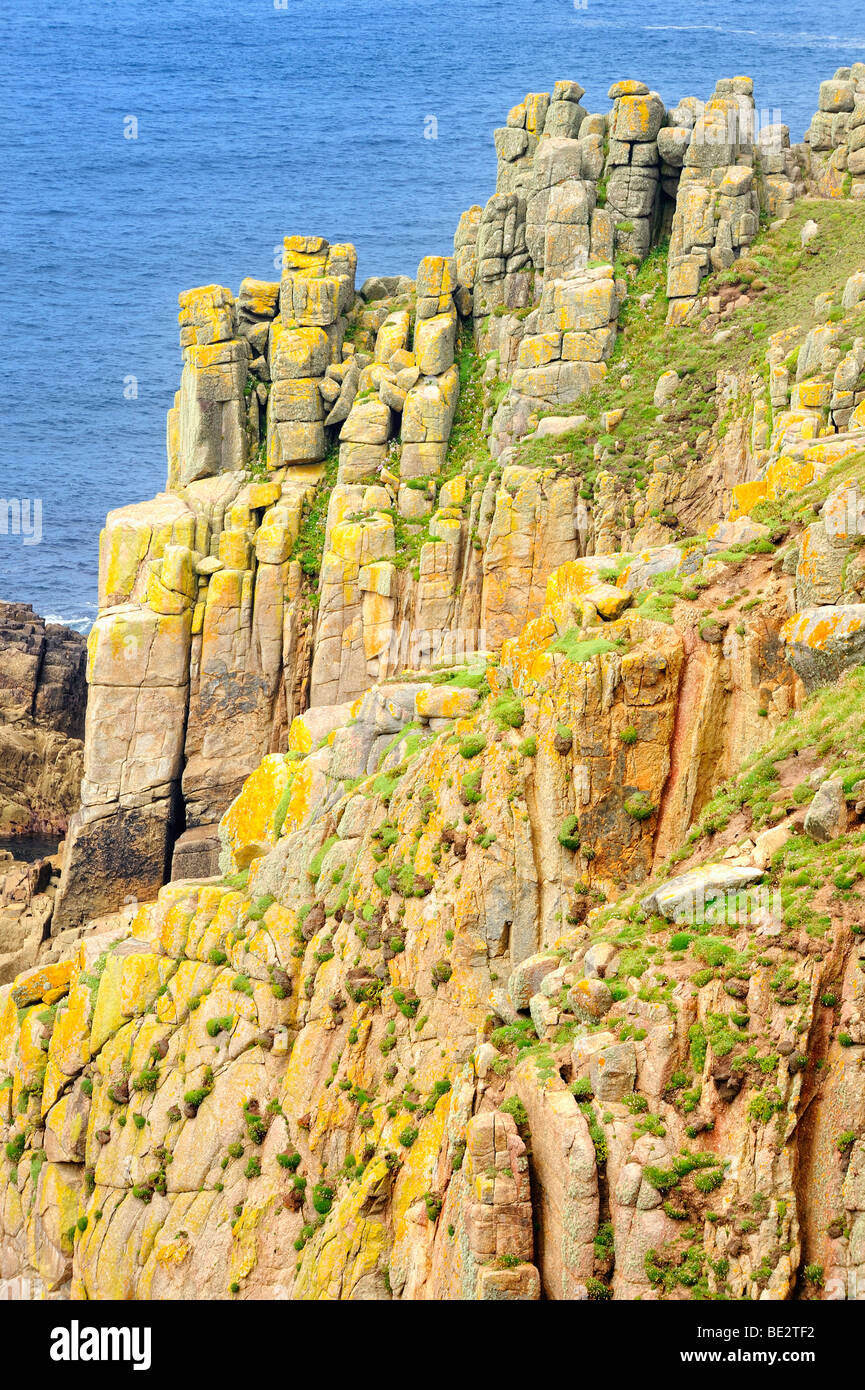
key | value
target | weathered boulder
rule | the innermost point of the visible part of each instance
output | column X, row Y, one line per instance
column 613, row 1070
column 825, row 641
column 700, row 894
column 826, row 817
column 528, row 976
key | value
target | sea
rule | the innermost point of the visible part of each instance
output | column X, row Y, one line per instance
column 147, row 146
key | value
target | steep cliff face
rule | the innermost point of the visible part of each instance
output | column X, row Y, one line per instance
column 42, row 699
column 465, row 895
column 43, row 694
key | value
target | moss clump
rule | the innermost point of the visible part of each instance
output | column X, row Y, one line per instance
column 433, row 1203
column 322, row 1198
column 597, row 1291
column 577, row 650
column 280, row 813
column 564, row 739
column 146, row 1080
column 215, row 1026
column 508, row 711
column 15, row 1148
column 640, row 806
column 712, row 950
column 662, row 1179
column 470, row 792
column 309, row 546
column 472, row 745
column 314, row 866
column 569, row 834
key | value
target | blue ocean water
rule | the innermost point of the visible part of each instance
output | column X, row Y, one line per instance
column 257, row 118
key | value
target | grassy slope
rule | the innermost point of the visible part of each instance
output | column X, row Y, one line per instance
column 645, row 347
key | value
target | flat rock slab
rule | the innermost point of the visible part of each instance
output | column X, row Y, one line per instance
column 685, row 898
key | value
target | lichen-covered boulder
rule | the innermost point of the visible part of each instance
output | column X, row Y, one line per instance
column 825, row 641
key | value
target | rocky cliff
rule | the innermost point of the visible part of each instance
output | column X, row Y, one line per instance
column 42, row 700
column 465, row 896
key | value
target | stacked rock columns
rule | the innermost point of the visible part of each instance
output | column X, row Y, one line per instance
column 836, row 136
column 717, row 208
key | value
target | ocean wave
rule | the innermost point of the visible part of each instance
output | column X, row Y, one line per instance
column 800, row 37
column 753, row 33
column 77, row 622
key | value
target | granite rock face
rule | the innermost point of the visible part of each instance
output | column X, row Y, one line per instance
column 465, row 891
column 836, row 136
column 42, row 700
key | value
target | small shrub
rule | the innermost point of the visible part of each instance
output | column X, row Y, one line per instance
column 597, row 1291
column 433, row 1204
column 322, row 1198
column 708, row 1182
column 662, row 1179
column 513, row 1106
column 146, row 1080
column 637, row 1104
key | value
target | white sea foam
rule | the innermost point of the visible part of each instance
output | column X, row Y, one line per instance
column 77, row 623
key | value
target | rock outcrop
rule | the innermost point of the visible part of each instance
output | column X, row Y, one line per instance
column 836, row 136
column 42, row 700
